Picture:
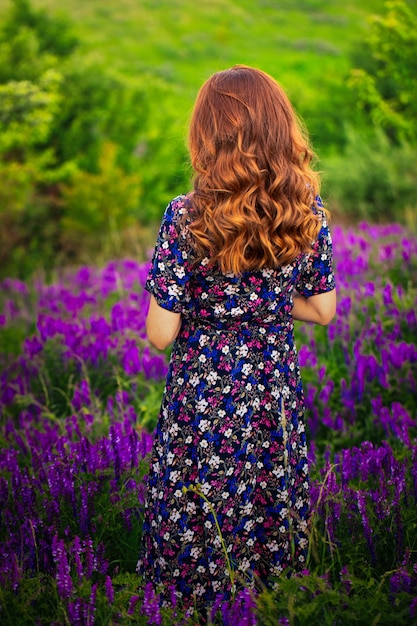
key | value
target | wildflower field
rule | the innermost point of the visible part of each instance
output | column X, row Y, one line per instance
column 80, row 393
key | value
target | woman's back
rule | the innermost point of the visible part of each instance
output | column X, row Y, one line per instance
column 257, row 297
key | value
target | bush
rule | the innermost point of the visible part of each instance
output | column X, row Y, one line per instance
column 59, row 178
column 384, row 83
column 372, row 179
column 98, row 207
column 370, row 168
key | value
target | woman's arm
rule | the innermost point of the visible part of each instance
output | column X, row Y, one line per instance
column 319, row 309
column 162, row 326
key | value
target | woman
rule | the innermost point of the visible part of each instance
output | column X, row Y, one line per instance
column 236, row 261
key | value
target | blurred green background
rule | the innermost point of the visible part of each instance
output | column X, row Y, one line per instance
column 95, row 99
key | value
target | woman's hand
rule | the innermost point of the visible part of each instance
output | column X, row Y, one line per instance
column 162, row 326
column 318, row 309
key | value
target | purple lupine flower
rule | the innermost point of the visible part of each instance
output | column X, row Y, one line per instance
column 75, row 611
column 10, row 572
column 72, row 427
column 306, row 357
column 146, row 443
column 326, row 391
column 122, row 398
column 414, row 471
column 102, row 562
column 387, row 295
column 345, row 578
column 411, row 318
column 141, row 493
column 76, row 552
column 108, row 585
column 216, row 606
column 32, row 347
column 154, row 366
column 241, row 610
column 115, row 438
column 84, row 515
column 151, row 606
column 132, row 604
column 82, row 395
column 247, row 600
column 369, row 290
column 84, row 277
column 401, row 581
column 173, row 596
column 90, row 616
column 344, row 305
column 399, row 532
column 131, row 358
column 127, row 519
column 90, row 558
column 361, row 501
column 63, row 573
column 225, row 613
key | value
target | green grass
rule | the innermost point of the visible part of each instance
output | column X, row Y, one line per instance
column 302, row 43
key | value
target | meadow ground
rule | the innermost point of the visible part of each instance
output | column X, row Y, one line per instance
column 80, row 392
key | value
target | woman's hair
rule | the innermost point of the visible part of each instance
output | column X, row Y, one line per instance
column 254, row 188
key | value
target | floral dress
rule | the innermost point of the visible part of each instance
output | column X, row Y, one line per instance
column 228, row 494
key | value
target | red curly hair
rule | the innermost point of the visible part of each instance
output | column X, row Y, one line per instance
column 253, row 185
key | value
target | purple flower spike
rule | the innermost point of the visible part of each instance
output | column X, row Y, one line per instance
column 361, row 500
column 151, row 606
column 132, row 604
column 109, row 590
column 77, row 551
column 63, row 573
column 90, row 617
column 131, row 358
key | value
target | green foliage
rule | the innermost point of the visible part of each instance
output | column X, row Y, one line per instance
column 371, row 172
column 27, row 111
column 372, row 179
column 103, row 203
column 59, row 115
column 385, row 85
column 316, row 600
column 97, row 106
column 55, row 35
column 150, row 404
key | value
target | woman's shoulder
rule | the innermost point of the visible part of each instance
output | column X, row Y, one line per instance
column 177, row 218
column 179, row 211
column 181, row 203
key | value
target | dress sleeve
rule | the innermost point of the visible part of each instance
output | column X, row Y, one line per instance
column 317, row 273
column 169, row 272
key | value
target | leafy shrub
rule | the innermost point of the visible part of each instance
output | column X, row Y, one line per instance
column 98, row 207
column 54, row 35
column 372, row 179
column 384, row 83
column 59, row 115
